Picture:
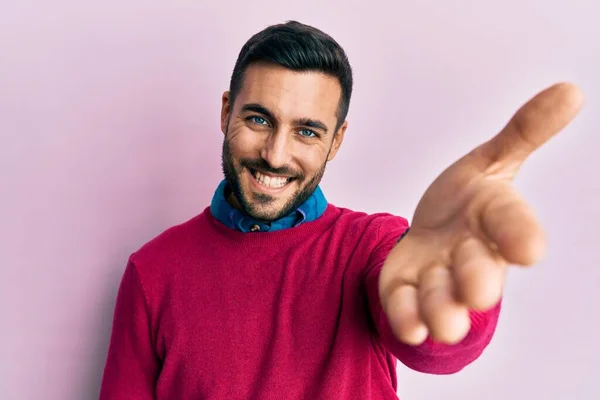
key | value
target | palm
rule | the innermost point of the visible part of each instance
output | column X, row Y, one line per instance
column 468, row 226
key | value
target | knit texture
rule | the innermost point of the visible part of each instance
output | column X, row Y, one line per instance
column 207, row 312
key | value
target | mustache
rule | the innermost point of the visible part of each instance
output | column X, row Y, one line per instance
column 263, row 165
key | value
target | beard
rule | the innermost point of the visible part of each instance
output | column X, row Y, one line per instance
column 253, row 204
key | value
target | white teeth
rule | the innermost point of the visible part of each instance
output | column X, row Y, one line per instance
column 270, row 181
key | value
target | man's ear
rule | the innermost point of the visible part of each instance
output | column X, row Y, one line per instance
column 338, row 138
column 225, row 111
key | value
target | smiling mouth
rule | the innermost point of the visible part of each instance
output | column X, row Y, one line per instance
column 272, row 182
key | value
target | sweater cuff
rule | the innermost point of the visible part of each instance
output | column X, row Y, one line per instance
column 439, row 358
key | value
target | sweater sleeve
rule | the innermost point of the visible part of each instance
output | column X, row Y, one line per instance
column 429, row 357
column 132, row 367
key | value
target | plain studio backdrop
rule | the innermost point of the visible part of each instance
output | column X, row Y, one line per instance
column 109, row 134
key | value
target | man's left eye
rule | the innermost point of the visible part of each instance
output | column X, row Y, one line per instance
column 307, row 133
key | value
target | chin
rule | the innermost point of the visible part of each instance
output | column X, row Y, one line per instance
column 264, row 212
column 265, row 203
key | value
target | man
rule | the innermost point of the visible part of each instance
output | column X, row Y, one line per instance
column 273, row 293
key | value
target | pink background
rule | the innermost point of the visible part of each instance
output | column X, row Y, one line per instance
column 109, row 133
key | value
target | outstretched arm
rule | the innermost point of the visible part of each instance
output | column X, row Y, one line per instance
column 444, row 280
column 429, row 357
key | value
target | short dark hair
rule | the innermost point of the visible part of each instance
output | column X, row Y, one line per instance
column 297, row 47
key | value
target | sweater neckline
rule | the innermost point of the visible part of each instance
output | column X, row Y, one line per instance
column 311, row 209
column 271, row 238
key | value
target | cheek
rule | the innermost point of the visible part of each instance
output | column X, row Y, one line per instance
column 244, row 143
column 312, row 159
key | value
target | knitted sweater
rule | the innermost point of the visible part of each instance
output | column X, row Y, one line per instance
column 207, row 312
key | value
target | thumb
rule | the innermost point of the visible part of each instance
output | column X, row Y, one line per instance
column 533, row 124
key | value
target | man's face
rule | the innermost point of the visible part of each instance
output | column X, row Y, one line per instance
column 279, row 136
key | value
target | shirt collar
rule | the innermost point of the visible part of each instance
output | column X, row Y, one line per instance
column 308, row 211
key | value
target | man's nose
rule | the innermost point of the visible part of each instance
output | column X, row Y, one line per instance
column 277, row 149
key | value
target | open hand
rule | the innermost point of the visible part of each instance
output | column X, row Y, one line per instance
column 469, row 226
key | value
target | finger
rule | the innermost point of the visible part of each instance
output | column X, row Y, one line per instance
column 513, row 227
column 447, row 320
column 479, row 273
column 534, row 123
column 404, row 319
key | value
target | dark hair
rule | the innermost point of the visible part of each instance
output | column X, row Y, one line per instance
column 297, row 47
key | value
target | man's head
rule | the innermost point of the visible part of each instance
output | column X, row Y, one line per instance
column 284, row 117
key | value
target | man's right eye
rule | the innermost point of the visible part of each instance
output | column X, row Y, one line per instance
column 258, row 120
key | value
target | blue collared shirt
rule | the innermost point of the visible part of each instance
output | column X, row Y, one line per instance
column 310, row 210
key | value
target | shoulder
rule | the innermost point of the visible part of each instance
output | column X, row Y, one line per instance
column 370, row 228
column 374, row 223
column 366, row 238
column 170, row 246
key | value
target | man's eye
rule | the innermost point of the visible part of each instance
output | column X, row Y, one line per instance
column 258, row 120
column 307, row 133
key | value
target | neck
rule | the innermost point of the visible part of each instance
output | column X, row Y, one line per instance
column 232, row 200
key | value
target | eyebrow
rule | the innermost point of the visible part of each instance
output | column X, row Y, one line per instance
column 308, row 122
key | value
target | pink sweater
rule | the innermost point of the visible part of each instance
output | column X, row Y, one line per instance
column 205, row 312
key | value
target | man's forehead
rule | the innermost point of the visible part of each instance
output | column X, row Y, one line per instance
column 289, row 92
